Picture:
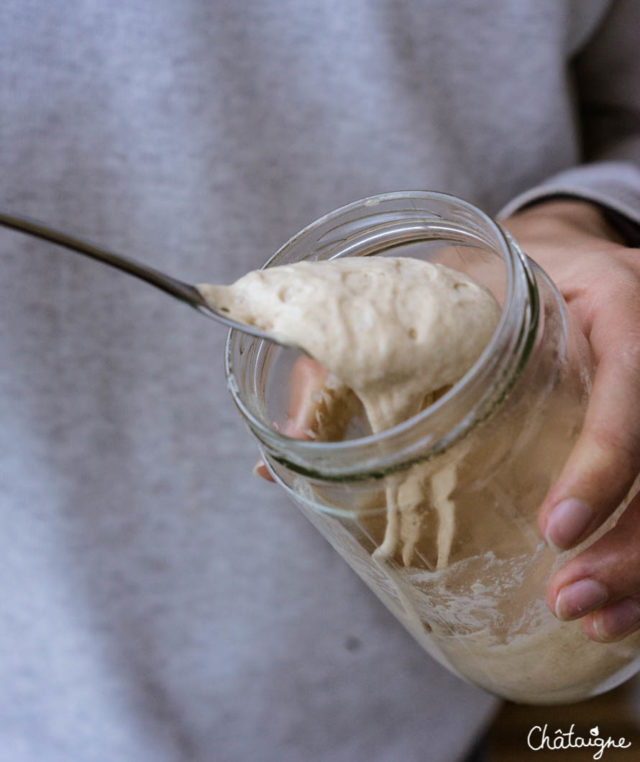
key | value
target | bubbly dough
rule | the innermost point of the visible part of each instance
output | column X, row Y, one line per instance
column 396, row 331
column 393, row 329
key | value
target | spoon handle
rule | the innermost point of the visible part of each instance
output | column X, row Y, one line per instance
column 183, row 291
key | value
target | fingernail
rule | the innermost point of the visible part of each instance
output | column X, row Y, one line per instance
column 579, row 598
column 617, row 620
column 568, row 522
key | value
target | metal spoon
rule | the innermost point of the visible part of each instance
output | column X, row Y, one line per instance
column 184, row 291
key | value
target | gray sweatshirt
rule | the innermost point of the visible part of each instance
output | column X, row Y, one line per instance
column 158, row 604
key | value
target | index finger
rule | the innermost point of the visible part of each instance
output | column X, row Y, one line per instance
column 606, row 458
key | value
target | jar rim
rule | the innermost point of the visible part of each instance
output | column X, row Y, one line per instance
column 520, row 302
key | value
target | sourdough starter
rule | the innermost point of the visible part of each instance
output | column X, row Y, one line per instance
column 398, row 332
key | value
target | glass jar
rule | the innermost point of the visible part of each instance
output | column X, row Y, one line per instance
column 471, row 470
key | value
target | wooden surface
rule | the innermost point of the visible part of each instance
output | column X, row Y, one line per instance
column 615, row 714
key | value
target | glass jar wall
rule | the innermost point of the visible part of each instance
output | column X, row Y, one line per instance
column 438, row 515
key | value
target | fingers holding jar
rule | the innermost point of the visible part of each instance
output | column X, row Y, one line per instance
column 601, row 585
column 606, row 459
column 600, row 280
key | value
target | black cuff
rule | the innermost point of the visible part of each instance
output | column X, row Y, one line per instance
column 627, row 229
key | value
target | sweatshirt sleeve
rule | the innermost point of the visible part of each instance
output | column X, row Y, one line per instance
column 605, row 74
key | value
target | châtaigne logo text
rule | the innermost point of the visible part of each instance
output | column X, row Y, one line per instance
column 540, row 737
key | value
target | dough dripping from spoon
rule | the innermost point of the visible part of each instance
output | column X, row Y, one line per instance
column 395, row 330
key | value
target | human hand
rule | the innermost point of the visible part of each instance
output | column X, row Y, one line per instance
column 600, row 281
